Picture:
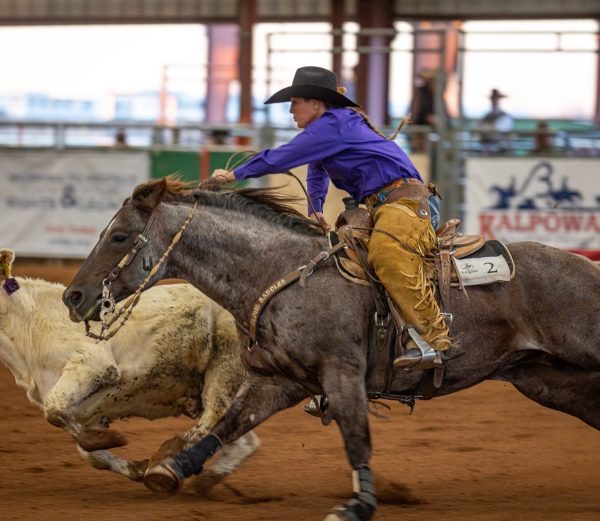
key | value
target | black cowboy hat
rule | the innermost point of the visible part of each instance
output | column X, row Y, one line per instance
column 497, row 94
column 314, row 83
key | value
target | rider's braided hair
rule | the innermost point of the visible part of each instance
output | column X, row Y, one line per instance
column 369, row 123
column 363, row 115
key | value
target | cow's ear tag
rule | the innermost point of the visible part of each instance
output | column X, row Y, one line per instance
column 10, row 284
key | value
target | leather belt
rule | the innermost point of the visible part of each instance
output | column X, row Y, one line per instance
column 405, row 188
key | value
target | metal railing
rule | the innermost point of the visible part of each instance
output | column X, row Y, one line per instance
column 447, row 150
column 118, row 134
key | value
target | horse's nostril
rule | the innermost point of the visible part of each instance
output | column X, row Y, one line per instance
column 75, row 298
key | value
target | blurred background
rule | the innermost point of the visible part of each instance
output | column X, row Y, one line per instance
column 98, row 96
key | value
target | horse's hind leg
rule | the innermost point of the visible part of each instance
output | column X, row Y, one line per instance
column 347, row 399
column 258, row 399
column 560, row 386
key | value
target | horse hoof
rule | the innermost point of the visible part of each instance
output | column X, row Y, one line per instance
column 162, row 479
column 333, row 517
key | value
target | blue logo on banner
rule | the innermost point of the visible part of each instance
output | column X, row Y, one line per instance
column 539, row 191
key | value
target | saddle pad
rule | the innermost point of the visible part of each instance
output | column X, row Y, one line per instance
column 492, row 263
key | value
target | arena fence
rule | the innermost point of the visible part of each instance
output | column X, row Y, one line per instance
column 61, row 182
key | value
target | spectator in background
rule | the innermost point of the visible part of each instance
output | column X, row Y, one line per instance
column 220, row 136
column 494, row 125
column 543, row 138
column 423, row 107
column 121, row 137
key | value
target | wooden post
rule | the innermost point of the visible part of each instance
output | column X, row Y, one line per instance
column 338, row 17
column 373, row 69
column 247, row 19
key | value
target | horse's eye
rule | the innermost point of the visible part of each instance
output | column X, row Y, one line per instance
column 119, row 238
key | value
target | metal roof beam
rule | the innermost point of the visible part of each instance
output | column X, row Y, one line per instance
column 65, row 12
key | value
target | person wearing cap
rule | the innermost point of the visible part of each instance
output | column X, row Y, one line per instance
column 494, row 125
column 340, row 145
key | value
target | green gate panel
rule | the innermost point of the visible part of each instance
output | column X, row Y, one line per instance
column 186, row 165
column 192, row 166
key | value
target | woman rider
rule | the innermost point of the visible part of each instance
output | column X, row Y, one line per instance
column 340, row 145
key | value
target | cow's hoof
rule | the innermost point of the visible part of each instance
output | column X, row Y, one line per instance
column 162, row 479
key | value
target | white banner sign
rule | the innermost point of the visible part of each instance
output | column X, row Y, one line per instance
column 547, row 200
column 56, row 203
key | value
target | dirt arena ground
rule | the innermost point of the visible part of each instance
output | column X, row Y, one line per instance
column 484, row 454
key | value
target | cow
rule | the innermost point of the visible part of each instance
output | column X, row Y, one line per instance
column 178, row 353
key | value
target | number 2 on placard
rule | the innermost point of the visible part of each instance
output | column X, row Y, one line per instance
column 491, row 265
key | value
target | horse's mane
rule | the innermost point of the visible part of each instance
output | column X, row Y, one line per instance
column 175, row 186
column 265, row 203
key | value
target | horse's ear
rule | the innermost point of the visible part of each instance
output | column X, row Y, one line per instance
column 149, row 195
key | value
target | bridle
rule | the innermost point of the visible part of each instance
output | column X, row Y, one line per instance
column 107, row 302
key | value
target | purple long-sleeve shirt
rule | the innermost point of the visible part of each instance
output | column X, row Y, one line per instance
column 339, row 146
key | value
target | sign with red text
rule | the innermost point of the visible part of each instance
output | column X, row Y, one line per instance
column 555, row 201
column 55, row 203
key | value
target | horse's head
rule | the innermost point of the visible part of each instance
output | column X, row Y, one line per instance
column 124, row 257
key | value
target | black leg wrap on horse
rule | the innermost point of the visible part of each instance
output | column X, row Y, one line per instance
column 190, row 461
column 362, row 506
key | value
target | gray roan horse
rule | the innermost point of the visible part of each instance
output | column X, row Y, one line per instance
column 541, row 331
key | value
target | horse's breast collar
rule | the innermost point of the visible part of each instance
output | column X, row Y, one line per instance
column 301, row 275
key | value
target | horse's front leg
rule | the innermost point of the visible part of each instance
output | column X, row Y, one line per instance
column 347, row 400
column 232, row 456
column 258, row 399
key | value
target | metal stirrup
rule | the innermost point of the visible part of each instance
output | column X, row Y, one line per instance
column 428, row 354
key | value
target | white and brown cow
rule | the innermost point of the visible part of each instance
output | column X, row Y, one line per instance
column 177, row 354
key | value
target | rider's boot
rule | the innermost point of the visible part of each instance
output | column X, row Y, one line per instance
column 418, row 353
